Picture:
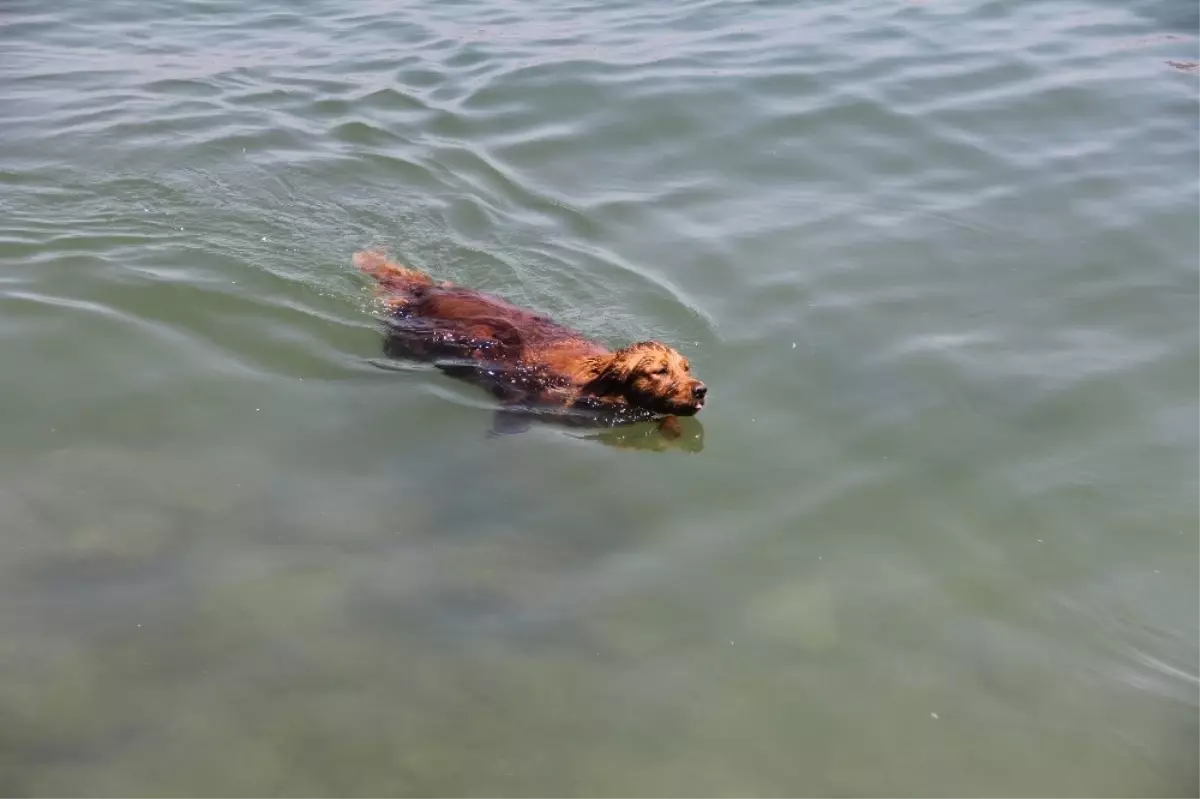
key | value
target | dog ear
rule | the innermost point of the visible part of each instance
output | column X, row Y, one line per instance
column 611, row 373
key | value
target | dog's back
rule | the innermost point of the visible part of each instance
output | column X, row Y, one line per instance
column 414, row 295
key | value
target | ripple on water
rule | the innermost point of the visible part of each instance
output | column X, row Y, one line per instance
column 936, row 262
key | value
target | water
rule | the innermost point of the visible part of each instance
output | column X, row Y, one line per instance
column 936, row 532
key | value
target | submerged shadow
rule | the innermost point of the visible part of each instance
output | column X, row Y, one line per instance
column 688, row 437
column 668, row 434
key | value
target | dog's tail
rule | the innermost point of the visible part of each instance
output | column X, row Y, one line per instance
column 391, row 276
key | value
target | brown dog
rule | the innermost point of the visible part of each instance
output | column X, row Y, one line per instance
column 525, row 358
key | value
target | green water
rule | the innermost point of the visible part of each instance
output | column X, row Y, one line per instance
column 934, row 534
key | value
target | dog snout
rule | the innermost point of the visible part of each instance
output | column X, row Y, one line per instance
column 699, row 391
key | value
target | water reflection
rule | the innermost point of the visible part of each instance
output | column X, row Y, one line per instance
column 686, row 436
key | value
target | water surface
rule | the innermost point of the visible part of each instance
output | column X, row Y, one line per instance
column 935, row 534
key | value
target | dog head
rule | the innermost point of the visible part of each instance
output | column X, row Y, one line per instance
column 649, row 375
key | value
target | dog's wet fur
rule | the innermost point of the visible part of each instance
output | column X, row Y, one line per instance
column 527, row 360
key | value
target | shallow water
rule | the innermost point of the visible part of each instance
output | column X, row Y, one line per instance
column 935, row 534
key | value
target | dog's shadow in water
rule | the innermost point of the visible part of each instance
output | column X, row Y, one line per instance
column 674, row 434
column 648, row 437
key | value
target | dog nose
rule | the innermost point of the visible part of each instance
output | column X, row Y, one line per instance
column 699, row 391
